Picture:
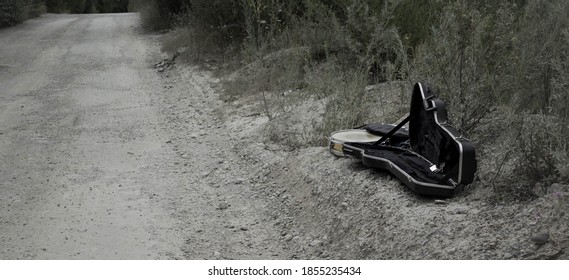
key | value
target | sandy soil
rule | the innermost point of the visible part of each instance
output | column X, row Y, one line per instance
column 105, row 154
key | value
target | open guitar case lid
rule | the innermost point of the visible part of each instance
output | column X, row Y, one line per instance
column 437, row 158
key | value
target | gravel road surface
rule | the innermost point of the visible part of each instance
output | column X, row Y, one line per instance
column 91, row 166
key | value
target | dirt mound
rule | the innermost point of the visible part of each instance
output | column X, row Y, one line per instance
column 335, row 208
column 271, row 190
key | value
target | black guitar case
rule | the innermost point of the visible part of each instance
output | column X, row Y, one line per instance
column 437, row 159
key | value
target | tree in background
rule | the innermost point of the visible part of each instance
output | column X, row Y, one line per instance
column 76, row 6
column 87, row 6
column 16, row 11
column 54, row 6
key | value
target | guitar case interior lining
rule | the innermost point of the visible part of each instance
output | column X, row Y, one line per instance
column 438, row 158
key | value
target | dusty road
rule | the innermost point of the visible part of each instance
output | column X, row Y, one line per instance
column 91, row 165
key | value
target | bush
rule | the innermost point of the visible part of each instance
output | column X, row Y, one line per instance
column 16, row 11
column 151, row 17
column 502, row 69
column 157, row 15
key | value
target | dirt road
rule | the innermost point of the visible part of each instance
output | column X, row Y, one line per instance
column 91, row 165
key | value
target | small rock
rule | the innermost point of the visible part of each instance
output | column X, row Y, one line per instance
column 540, row 238
column 344, row 205
column 515, row 246
column 461, row 211
column 441, row 202
column 161, row 69
column 223, row 206
column 182, row 49
column 288, row 237
column 315, row 190
column 452, row 251
column 315, row 243
column 217, row 254
column 205, row 174
column 507, row 256
column 243, row 228
column 238, row 181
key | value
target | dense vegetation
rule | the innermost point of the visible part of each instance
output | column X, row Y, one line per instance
column 15, row 11
column 87, row 6
column 501, row 65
